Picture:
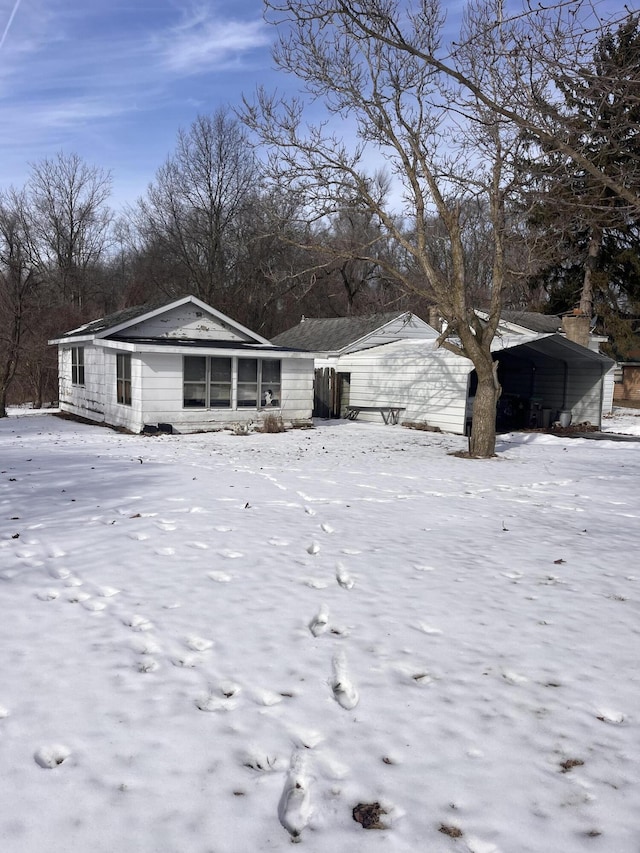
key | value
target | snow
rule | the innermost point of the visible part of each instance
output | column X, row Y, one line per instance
column 218, row 644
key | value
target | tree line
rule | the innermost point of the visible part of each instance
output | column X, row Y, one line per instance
column 510, row 177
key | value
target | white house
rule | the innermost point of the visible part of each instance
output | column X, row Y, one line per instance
column 181, row 367
column 543, row 374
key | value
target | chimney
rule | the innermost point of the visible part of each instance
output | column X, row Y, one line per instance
column 576, row 328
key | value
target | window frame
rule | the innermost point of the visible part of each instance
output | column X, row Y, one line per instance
column 238, row 388
column 77, row 365
column 123, row 378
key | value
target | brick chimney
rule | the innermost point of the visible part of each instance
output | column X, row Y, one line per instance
column 576, row 328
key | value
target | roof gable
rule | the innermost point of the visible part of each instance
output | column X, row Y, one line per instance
column 183, row 319
column 342, row 334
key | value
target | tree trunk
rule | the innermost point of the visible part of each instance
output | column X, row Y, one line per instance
column 586, row 295
column 483, row 426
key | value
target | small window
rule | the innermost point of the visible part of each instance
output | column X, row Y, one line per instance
column 123, row 379
column 220, row 383
column 195, row 382
column 77, row 365
column 270, row 383
column 247, row 382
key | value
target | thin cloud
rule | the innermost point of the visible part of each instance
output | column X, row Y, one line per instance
column 204, row 43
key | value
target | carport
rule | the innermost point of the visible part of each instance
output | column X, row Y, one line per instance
column 550, row 378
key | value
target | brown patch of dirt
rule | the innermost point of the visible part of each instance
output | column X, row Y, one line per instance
column 368, row 814
column 570, row 763
column 451, row 831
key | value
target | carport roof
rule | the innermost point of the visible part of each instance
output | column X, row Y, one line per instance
column 553, row 346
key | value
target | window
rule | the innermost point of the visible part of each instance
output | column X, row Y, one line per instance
column 270, row 383
column 220, row 383
column 248, row 382
column 77, row 365
column 213, row 383
column 123, row 379
column 195, row 382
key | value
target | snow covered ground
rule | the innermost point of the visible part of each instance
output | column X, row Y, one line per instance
column 221, row 644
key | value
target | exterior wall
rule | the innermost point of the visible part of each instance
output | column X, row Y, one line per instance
column 395, row 330
column 162, row 377
column 86, row 401
column 96, row 400
column 186, row 321
column 430, row 384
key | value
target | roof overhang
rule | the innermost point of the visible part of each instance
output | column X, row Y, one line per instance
column 201, row 347
column 554, row 346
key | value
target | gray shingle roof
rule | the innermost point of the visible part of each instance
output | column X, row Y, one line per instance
column 332, row 333
column 543, row 323
column 112, row 320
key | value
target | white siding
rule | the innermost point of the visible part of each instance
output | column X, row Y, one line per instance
column 162, row 378
column 185, row 321
column 430, row 384
column 607, row 391
column 86, row 400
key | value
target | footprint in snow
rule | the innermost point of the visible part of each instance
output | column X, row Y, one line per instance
column 201, row 545
column 513, row 677
column 47, row 594
column 315, row 583
column 221, row 699
column 606, row 715
column 145, row 646
column 59, row 574
column 137, row 623
column 77, row 597
column 219, row 577
column 427, row 629
column 56, row 552
column 4, row 712
column 344, row 691
column 197, row 644
column 326, row 528
column 230, row 555
column 294, row 808
column 147, row 665
column 313, row 548
column 343, row 577
column 278, row 543
column 51, row 756
column 185, row 660
column 320, row 622
column 165, row 552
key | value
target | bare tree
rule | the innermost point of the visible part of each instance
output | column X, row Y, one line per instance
column 189, row 221
column 70, row 224
column 444, row 159
column 18, row 283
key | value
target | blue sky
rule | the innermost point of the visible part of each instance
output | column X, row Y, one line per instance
column 114, row 80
